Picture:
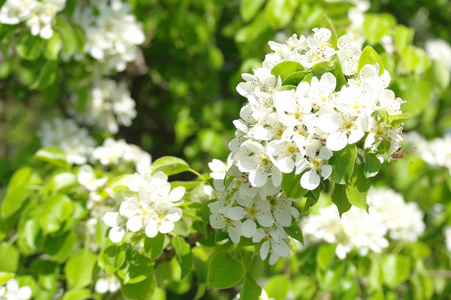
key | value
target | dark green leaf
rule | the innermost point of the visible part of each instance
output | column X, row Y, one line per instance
column 340, row 199
column 250, row 290
column 60, row 248
column 183, row 254
column 295, row 232
column 372, row 165
column 295, row 78
column 291, row 185
column 140, row 291
column 342, row 163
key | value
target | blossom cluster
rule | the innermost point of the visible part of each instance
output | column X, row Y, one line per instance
column 108, row 105
column 436, row 153
column 147, row 204
column 69, row 137
column 81, row 148
column 112, row 32
column 38, row 15
column 286, row 128
column 357, row 229
column 439, row 49
column 12, row 291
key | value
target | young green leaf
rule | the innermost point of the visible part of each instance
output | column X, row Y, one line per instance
column 170, row 165
column 111, row 258
column 372, row 165
column 79, row 269
column 224, row 271
column 370, row 56
column 325, row 23
column 250, row 290
column 286, row 68
column 357, row 189
column 153, row 247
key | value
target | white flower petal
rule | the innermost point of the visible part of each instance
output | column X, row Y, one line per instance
column 116, row 234
column 248, row 228
column 135, row 223
column 310, row 180
column 166, row 227
column 111, row 219
column 336, row 141
column 177, row 194
column 264, row 250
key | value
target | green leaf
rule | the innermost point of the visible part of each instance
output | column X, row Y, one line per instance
column 358, row 188
column 153, row 247
column 56, row 210
column 250, row 290
column 295, row 78
column 67, row 35
column 29, row 47
column 140, row 291
column 338, row 73
column 46, row 76
column 325, row 255
column 278, row 287
column 291, row 185
column 17, row 191
column 286, row 88
column 111, row 258
column 62, row 182
column 170, row 165
column 279, row 12
column 342, row 163
column 403, row 36
column 438, row 76
column 286, row 68
column 398, row 119
column 78, row 294
column 183, row 254
column 249, row 8
column 136, row 267
column 372, row 165
column 325, row 23
column 395, row 269
column 5, row 277
column 370, row 56
column 10, row 258
column 60, row 248
column 340, row 199
column 376, row 26
column 47, row 273
column 295, row 232
column 53, row 47
column 224, row 271
column 79, row 268
column 54, row 156
column 416, row 93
